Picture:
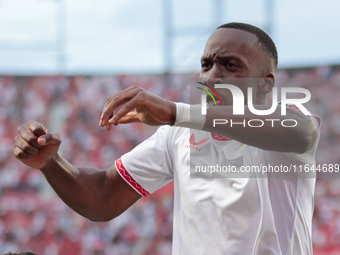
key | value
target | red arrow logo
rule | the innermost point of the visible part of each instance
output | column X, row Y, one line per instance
column 192, row 140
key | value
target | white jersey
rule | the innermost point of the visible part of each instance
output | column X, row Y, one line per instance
column 229, row 216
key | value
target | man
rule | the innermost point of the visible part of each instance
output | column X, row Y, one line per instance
column 251, row 215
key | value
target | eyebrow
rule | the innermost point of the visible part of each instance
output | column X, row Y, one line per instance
column 224, row 57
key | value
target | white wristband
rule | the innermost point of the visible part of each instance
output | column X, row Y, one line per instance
column 189, row 116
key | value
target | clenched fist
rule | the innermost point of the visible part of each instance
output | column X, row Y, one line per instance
column 35, row 145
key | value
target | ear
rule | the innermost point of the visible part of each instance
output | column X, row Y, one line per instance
column 267, row 83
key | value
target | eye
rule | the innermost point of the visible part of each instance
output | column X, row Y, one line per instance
column 206, row 65
column 231, row 65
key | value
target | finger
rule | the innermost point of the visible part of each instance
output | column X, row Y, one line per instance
column 108, row 125
column 130, row 114
column 107, row 115
column 37, row 128
column 131, row 88
column 115, row 102
column 50, row 138
column 28, row 136
column 129, row 118
column 127, row 107
column 25, row 146
column 104, row 118
column 19, row 153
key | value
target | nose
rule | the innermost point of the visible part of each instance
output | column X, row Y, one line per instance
column 213, row 81
column 214, row 77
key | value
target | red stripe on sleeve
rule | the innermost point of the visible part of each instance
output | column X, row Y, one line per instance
column 128, row 178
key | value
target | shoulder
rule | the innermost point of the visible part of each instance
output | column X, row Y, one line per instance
column 172, row 130
column 170, row 135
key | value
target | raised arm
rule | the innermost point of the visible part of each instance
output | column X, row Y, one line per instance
column 272, row 135
column 140, row 105
column 99, row 195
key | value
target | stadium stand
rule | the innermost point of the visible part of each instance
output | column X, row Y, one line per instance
column 33, row 218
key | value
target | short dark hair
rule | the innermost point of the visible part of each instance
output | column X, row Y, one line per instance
column 266, row 42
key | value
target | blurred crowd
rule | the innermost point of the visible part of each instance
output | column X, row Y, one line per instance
column 33, row 218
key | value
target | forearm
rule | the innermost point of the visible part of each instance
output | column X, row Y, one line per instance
column 271, row 136
column 95, row 194
column 79, row 188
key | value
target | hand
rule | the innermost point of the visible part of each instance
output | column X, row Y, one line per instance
column 137, row 105
column 34, row 145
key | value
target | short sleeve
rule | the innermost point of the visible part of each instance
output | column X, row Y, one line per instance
column 148, row 167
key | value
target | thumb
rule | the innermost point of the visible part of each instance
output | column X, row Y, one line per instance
column 128, row 118
column 50, row 138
